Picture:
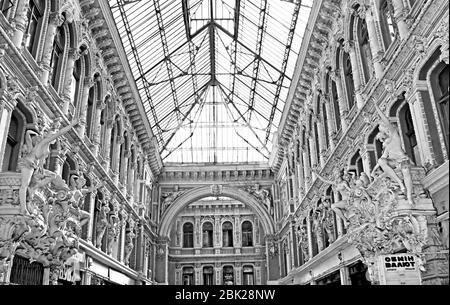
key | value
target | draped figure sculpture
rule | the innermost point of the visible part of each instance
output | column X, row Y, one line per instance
column 35, row 151
column 341, row 186
column 393, row 156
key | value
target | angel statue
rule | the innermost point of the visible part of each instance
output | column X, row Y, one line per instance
column 393, row 155
column 341, row 186
column 35, row 151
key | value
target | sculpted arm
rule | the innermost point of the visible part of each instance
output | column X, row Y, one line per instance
column 62, row 131
column 323, row 179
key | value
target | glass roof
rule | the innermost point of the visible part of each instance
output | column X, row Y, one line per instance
column 213, row 75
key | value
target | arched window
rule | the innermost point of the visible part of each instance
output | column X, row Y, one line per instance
column 188, row 276
column 356, row 164
column 364, row 47
column 374, row 147
column 316, row 141
column 227, row 234
column 228, row 275
column 331, row 90
column 68, row 167
column 188, row 235
column 388, row 26
column 409, row 134
column 75, row 82
column 208, row 276
column 57, row 55
column 13, row 141
column 248, row 277
column 440, row 83
column 348, row 79
column 112, row 145
column 34, row 17
column 90, row 112
column 207, row 233
column 247, row 234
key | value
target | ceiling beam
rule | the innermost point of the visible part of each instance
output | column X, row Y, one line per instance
column 287, row 52
column 250, row 50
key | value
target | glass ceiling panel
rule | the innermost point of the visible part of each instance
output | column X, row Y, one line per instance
column 213, row 75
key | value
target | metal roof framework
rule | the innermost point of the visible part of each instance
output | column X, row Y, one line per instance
column 212, row 74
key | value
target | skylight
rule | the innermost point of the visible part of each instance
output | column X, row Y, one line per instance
column 213, row 75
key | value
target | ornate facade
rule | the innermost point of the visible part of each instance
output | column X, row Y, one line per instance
column 359, row 168
column 76, row 161
column 362, row 155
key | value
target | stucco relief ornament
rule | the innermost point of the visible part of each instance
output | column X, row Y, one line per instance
column 216, row 190
column 262, row 195
column 169, row 197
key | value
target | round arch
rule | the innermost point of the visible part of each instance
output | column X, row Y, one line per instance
column 205, row 191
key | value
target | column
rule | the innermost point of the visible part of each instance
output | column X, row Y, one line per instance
column 123, row 170
column 73, row 55
column 330, row 123
column 60, row 158
column 238, row 274
column 106, row 149
column 306, row 169
column 294, row 246
column 218, row 273
column 339, row 222
column 345, row 276
column 161, row 260
column 300, row 173
column 20, row 22
column 320, row 134
column 198, row 274
column 349, row 47
column 217, row 235
column 377, row 52
column 91, row 224
column 82, row 113
column 197, row 232
column 336, row 77
column 365, row 159
column 237, row 235
column 400, row 18
column 55, row 20
column 421, row 126
column 258, row 273
column 293, row 173
column 123, row 233
column 310, row 239
column 130, row 178
column 100, row 105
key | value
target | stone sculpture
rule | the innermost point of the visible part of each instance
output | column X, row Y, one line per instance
column 342, row 186
column 393, row 156
column 35, row 151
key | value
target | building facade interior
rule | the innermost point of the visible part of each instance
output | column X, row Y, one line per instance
column 224, row 142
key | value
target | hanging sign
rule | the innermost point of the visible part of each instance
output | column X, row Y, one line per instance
column 399, row 269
